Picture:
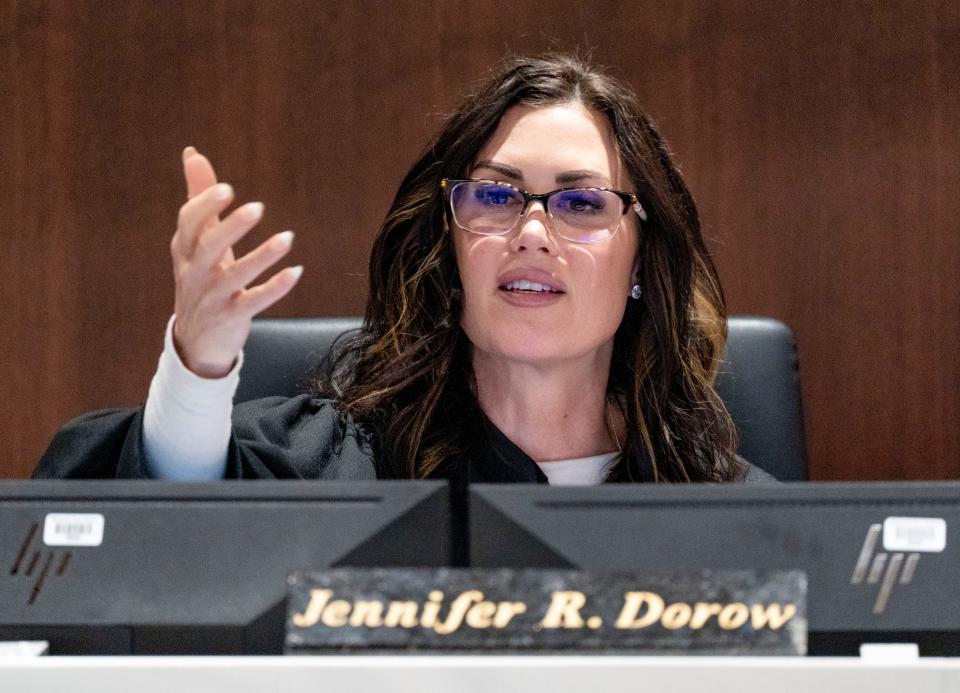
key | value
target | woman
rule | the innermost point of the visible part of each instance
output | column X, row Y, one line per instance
column 542, row 307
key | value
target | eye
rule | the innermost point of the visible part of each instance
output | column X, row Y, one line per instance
column 580, row 201
column 494, row 195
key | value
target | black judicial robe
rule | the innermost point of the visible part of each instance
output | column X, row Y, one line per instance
column 284, row 438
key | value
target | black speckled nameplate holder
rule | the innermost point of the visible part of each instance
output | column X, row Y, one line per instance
column 546, row 611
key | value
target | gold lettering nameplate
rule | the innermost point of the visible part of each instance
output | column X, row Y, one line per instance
column 534, row 610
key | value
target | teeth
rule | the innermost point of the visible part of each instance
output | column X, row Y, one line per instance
column 524, row 285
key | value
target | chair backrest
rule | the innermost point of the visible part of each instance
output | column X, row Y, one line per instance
column 759, row 382
column 281, row 353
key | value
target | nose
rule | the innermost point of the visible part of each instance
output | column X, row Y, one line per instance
column 533, row 231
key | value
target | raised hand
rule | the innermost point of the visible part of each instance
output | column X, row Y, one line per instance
column 214, row 305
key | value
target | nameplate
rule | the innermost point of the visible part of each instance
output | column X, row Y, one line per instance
column 533, row 610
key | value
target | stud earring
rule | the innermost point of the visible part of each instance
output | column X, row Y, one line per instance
column 635, row 291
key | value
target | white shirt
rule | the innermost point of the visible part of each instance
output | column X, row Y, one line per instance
column 186, row 421
column 581, row 471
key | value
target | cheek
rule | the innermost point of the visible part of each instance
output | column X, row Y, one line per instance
column 600, row 304
column 470, row 264
column 603, row 293
column 477, row 260
column 603, row 277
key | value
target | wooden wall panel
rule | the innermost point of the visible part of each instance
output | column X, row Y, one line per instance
column 822, row 140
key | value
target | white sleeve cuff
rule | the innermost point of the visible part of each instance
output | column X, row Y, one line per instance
column 186, row 421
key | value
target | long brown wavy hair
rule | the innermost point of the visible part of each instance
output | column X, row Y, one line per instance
column 407, row 374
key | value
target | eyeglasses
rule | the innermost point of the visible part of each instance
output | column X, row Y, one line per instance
column 581, row 215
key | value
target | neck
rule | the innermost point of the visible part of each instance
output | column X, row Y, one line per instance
column 552, row 412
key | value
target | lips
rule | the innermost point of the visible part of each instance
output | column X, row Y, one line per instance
column 524, row 285
column 530, row 281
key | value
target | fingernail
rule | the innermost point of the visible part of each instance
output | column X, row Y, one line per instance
column 296, row 271
column 283, row 240
column 253, row 210
column 224, row 190
column 188, row 152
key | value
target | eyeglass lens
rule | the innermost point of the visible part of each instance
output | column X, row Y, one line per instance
column 578, row 214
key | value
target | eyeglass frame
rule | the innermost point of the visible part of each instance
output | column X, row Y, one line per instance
column 629, row 199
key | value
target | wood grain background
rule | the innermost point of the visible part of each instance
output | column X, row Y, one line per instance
column 821, row 139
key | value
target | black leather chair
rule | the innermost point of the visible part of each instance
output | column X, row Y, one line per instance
column 281, row 353
column 759, row 381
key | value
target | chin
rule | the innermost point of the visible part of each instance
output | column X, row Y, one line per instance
column 529, row 353
column 523, row 347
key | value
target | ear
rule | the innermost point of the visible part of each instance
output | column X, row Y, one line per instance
column 635, row 272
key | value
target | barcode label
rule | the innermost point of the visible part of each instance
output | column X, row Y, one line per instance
column 73, row 529
column 923, row 534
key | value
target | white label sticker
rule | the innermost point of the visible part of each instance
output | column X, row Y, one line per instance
column 73, row 529
column 923, row 534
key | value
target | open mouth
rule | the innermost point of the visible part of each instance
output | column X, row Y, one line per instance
column 528, row 287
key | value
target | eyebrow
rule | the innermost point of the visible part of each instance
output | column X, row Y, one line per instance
column 577, row 176
column 502, row 169
column 562, row 178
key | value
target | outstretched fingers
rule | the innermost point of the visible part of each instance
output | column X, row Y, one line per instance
column 214, row 242
column 212, row 305
column 200, row 214
column 258, row 298
column 244, row 270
